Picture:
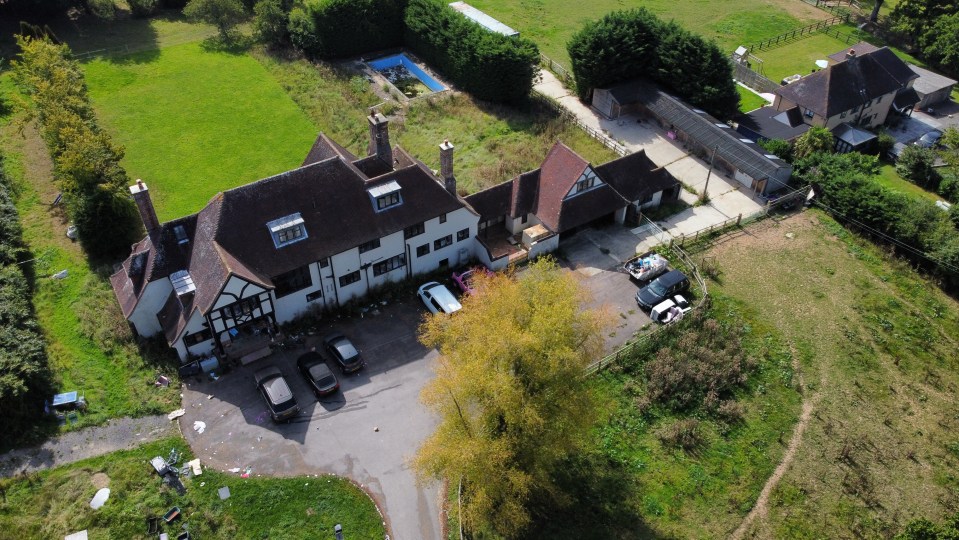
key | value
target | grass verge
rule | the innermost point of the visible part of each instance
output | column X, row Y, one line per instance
column 748, row 100
column 878, row 345
column 54, row 503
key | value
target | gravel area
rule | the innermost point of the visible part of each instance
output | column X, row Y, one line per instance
column 117, row 434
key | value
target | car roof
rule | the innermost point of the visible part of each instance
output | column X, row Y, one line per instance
column 670, row 278
column 277, row 389
column 318, row 371
column 445, row 297
column 343, row 345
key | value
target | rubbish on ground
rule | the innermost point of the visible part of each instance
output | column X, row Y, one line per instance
column 195, row 465
column 164, row 536
column 153, row 525
column 163, row 381
column 246, row 474
column 62, row 274
column 172, row 514
column 790, row 235
column 214, row 376
column 82, row 535
column 100, row 498
column 176, row 414
column 199, row 426
column 224, row 493
column 376, row 428
column 202, row 484
column 210, row 396
column 234, row 470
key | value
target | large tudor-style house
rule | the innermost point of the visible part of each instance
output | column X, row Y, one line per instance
column 220, row 280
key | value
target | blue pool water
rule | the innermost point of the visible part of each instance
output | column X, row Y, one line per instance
column 401, row 59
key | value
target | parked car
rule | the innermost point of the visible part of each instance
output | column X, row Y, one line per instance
column 464, row 280
column 930, row 139
column 670, row 310
column 342, row 350
column 646, row 267
column 276, row 393
column 438, row 298
column 661, row 288
column 317, row 374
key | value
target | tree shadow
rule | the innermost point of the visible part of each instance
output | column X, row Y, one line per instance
column 601, row 504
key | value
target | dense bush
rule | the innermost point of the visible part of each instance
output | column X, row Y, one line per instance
column 270, row 22
column 916, row 165
column 351, row 27
column 24, row 375
column 625, row 45
column 86, row 163
column 490, row 66
column 843, row 183
column 778, row 147
column 143, row 8
column 931, row 26
column 102, row 9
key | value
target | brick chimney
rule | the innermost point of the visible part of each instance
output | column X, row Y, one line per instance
column 141, row 196
column 850, row 53
column 446, row 166
column 380, row 138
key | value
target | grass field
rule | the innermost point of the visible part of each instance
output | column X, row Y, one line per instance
column 877, row 344
column 54, row 503
column 551, row 23
column 89, row 345
column 195, row 122
column 888, row 177
column 748, row 100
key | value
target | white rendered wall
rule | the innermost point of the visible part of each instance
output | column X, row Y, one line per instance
column 144, row 316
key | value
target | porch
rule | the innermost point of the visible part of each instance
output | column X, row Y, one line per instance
column 248, row 342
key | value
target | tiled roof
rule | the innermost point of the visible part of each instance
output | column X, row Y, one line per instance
column 850, row 83
column 492, row 202
column 325, row 148
column 559, row 171
column 768, row 123
column 635, row 176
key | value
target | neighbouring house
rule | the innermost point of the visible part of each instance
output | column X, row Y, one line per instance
column 221, row 280
column 563, row 195
column 483, row 19
column 862, row 88
column 700, row 132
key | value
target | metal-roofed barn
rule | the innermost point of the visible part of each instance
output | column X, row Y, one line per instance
column 483, row 19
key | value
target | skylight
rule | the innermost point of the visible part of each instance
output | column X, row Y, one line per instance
column 182, row 282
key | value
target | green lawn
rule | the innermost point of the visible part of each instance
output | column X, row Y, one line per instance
column 551, row 23
column 748, row 100
column 196, row 122
column 54, row 503
column 888, row 177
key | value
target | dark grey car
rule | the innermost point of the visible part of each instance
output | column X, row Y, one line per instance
column 343, row 352
column 317, row 374
column 661, row 288
column 276, row 393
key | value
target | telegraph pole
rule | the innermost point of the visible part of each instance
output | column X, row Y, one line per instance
column 708, row 174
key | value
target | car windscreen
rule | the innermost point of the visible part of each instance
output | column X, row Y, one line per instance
column 656, row 287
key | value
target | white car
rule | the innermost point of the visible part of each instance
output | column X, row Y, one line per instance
column 438, row 298
column 670, row 310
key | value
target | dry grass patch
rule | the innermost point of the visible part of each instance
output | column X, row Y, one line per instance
column 880, row 348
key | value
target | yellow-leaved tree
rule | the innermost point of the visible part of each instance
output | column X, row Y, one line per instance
column 511, row 392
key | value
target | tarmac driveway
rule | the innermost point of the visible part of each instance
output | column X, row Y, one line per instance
column 366, row 432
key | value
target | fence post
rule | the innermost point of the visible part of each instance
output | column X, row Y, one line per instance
column 739, row 219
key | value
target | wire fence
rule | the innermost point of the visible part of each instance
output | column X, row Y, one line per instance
column 570, row 117
column 753, row 79
column 564, row 75
column 836, row 7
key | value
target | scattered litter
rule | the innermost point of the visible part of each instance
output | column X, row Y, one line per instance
column 376, row 428
column 246, row 474
column 62, row 274
column 195, row 465
column 176, row 414
column 224, row 493
column 210, row 396
column 234, row 470
column 163, row 381
column 790, row 235
column 199, row 426
column 100, row 498
column 172, row 514
column 214, row 376
column 202, row 484
column 82, row 535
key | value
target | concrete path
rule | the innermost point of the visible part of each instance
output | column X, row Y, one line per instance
column 117, row 434
column 728, row 198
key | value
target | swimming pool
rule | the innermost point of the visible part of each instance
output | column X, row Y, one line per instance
column 385, row 63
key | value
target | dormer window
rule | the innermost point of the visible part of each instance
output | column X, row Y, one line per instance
column 287, row 230
column 385, row 196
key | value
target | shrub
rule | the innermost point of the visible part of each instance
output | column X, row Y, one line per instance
column 682, row 434
column 779, row 147
column 885, row 143
column 916, row 165
column 816, row 140
column 224, row 14
column 143, row 8
column 270, row 21
column 302, row 30
column 102, row 9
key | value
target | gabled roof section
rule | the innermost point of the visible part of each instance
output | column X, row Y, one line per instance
column 492, row 202
column 325, row 148
column 929, row 81
column 850, row 83
column 525, row 194
column 635, row 176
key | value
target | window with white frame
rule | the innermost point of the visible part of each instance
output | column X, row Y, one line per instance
column 385, row 196
column 389, row 265
column 287, row 230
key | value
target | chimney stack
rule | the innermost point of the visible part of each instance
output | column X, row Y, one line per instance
column 446, row 166
column 850, row 53
column 141, row 196
column 380, row 138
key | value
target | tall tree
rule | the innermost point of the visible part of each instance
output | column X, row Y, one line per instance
column 874, row 16
column 814, row 141
column 224, row 14
column 510, row 392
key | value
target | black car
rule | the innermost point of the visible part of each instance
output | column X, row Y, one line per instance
column 276, row 393
column 317, row 374
column 661, row 288
column 342, row 350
